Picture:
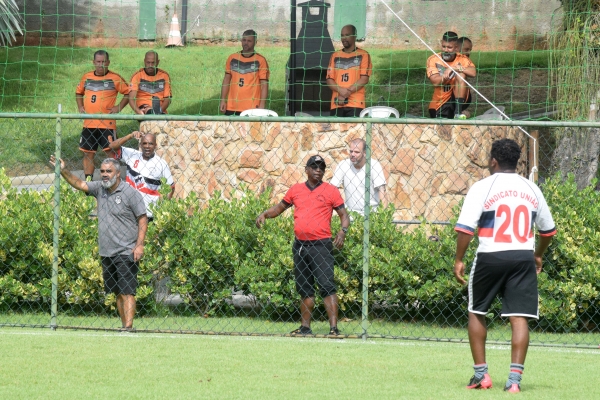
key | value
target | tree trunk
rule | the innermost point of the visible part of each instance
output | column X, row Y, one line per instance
column 577, row 153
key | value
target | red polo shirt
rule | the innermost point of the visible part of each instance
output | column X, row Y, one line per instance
column 313, row 209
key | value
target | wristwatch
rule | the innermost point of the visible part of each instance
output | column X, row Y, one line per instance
column 345, row 230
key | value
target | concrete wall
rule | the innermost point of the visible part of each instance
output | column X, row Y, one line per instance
column 492, row 24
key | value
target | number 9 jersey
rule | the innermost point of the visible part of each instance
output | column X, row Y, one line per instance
column 100, row 95
column 504, row 208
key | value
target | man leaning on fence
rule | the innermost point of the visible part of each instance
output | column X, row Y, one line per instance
column 504, row 209
column 122, row 225
column 145, row 169
column 314, row 202
column 351, row 173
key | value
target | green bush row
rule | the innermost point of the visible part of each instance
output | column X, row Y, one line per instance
column 209, row 252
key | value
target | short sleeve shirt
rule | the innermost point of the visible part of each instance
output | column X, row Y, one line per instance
column 158, row 85
column 354, row 184
column 313, row 209
column 145, row 175
column 246, row 74
column 117, row 218
column 346, row 69
column 504, row 208
column 441, row 94
column 100, row 95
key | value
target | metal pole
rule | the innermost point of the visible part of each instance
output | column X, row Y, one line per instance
column 184, row 17
column 54, row 305
column 366, row 241
column 292, row 63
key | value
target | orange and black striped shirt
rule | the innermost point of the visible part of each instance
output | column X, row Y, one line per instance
column 100, row 95
column 346, row 69
column 246, row 74
column 158, row 85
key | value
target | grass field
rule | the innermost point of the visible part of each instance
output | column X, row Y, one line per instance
column 74, row 365
column 37, row 79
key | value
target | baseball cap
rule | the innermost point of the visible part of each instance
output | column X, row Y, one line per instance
column 316, row 160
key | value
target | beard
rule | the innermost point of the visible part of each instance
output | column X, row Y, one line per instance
column 109, row 183
column 448, row 56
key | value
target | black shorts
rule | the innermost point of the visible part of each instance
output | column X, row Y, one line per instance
column 345, row 112
column 313, row 260
column 511, row 274
column 447, row 109
column 229, row 112
column 120, row 274
column 92, row 138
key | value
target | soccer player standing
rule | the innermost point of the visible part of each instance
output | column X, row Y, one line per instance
column 504, row 207
column 348, row 73
column 246, row 82
column 97, row 94
column 150, row 87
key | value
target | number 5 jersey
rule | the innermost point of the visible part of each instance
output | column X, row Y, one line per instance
column 246, row 74
column 504, row 209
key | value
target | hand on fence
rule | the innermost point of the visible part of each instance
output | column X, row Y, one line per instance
column 53, row 162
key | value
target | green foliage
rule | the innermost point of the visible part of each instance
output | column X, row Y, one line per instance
column 209, row 252
column 570, row 280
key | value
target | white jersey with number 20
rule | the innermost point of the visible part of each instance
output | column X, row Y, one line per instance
column 504, row 208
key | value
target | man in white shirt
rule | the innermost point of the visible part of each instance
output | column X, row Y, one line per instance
column 351, row 174
column 503, row 208
column 144, row 168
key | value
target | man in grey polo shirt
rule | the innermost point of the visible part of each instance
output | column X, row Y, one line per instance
column 122, row 225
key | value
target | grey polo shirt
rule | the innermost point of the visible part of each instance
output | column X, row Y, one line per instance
column 117, row 218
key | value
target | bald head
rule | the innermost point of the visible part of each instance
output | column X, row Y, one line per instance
column 151, row 62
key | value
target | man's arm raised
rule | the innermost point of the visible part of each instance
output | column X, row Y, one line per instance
column 115, row 145
column 69, row 177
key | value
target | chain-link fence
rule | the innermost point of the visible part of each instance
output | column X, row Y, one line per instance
column 207, row 268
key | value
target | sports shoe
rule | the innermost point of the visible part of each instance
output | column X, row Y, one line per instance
column 333, row 331
column 460, row 116
column 514, row 388
column 485, row 382
column 303, row 330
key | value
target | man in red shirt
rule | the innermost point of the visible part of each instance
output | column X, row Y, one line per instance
column 314, row 202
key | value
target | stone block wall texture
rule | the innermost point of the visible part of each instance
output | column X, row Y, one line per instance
column 428, row 168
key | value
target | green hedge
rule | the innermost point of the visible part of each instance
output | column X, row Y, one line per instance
column 208, row 252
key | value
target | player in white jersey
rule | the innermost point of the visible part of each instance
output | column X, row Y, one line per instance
column 144, row 168
column 504, row 208
column 351, row 173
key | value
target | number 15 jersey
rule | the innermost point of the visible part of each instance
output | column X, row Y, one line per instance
column 504, row 208
column 346, row 69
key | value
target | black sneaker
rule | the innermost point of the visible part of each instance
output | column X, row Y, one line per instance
column 303, row 330
column 334, row 331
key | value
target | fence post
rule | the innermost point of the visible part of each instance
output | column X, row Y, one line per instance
column 54, row 306
column 366, row 245
column 534, row 149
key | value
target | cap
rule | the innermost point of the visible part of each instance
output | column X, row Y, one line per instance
column 316, row 160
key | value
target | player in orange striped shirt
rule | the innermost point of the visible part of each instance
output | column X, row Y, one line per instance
column 348, row 73
column 246, row 81
column 150, row 87
column 450, row 93
column 97, row 94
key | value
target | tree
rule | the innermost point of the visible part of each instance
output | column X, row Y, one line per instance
column 576, row 75
column 10, row 21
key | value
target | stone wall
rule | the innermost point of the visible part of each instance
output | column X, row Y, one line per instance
column 428, row 168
